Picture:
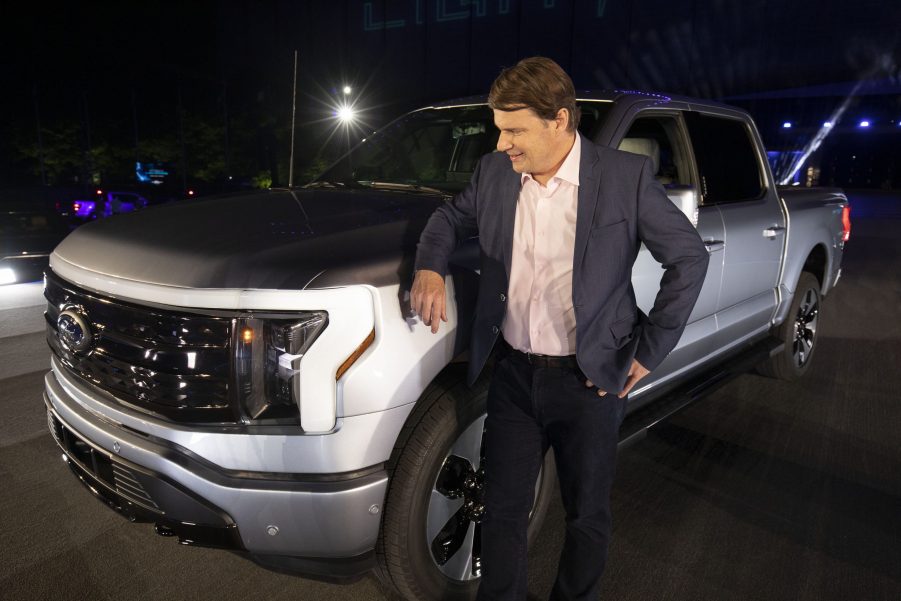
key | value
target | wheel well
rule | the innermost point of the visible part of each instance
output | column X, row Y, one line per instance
column 451, row 376
column 816, row 263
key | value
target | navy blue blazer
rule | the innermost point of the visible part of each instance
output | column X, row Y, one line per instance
column 620, row 205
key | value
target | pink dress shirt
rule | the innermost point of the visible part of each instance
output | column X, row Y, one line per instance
column 540, row 316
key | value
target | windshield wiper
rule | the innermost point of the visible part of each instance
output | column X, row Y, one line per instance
column 403, row 187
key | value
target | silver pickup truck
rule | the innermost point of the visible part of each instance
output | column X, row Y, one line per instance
column 245, row 372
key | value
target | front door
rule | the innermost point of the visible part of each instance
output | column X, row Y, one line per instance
column 662, row 138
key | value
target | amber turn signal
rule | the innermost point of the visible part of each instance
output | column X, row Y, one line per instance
column 355, row 355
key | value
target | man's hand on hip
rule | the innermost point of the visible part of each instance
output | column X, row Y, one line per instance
column 427, row 298
column 636, row 372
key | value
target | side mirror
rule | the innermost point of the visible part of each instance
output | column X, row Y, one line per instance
column 687, row 201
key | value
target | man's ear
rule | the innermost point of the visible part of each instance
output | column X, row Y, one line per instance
column 562, row 119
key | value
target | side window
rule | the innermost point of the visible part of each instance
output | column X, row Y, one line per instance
column 727, row 163
column 660, row 139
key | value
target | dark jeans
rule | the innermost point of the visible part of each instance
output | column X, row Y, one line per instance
column 530, row 408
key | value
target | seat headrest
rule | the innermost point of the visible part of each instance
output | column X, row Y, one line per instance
column 649, row 147
column 469, row 150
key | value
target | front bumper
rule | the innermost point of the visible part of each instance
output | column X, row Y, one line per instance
column 321, row 525
column 137, row 493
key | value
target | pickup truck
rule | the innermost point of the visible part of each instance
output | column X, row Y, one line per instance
column 245, row 371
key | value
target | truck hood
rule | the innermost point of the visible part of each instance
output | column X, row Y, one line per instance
column 266, row 240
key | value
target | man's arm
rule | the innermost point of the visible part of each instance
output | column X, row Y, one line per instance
column 675, row 244
column 449, row 224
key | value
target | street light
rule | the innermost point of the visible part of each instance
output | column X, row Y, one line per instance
column 346, row 114
column 347, row 90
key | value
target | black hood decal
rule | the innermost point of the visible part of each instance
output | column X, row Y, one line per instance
column 267, row 240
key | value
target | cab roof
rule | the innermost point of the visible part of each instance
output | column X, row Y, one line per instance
column 618, row 96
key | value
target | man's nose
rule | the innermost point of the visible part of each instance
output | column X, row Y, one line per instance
column 503, row 144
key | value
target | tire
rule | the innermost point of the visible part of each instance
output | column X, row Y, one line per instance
column 798, row 332
column 434, row 497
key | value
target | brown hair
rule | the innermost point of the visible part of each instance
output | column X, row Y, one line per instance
column 537, row 83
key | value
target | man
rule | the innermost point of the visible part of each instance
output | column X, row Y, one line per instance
column 558, row 233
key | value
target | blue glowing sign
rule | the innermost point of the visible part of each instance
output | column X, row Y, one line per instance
column 151, row 173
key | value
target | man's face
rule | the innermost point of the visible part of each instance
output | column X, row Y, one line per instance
column 534, row 145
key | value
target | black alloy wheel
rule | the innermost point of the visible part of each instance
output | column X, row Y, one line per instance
column 805, row 328
column 798, row 332
column 456, row 506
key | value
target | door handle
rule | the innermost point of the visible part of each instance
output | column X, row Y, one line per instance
column 713, row 245
column 772, row 231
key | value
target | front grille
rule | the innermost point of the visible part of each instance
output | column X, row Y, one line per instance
column 167, row 363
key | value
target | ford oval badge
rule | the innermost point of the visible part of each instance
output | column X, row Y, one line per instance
column 73, row 331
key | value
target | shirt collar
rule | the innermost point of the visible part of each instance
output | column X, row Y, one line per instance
column 569, row 170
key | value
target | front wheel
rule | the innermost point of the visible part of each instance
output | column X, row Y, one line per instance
column 429, row 544
column 798, row 332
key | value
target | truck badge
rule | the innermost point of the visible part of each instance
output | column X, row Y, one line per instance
column 73, row 331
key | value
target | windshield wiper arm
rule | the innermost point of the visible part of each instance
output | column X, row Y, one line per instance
column 404, row 186
column 324, row 184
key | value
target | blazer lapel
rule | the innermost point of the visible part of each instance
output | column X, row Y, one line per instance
column 589, row 181
column 509, row 194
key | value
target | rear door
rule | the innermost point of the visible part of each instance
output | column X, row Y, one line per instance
column 733, row 179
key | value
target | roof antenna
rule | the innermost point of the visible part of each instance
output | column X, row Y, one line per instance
column 293, row 114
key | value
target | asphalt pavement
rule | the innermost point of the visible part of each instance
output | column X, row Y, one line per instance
column 764, row 490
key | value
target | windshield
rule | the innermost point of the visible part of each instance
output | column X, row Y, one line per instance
column 432, row 150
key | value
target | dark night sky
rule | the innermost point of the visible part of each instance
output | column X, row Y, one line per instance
column 105, row 49
column 85, row 60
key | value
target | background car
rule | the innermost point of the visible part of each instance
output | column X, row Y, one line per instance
column 27, row 237
column 104, row 204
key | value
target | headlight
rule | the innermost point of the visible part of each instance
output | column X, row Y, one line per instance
column 268, row 352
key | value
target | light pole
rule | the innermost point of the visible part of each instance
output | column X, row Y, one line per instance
column 346, row 115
